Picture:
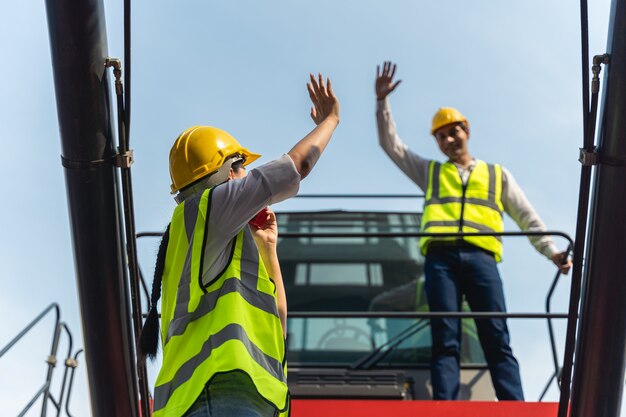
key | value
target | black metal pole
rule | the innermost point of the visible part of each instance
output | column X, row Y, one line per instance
column 599, row 362
column 79, row 49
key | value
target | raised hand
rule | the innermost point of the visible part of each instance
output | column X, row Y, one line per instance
column 384, row 80
column 325, row 104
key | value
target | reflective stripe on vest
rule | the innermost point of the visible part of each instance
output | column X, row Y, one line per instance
column 230, row 323
column 451, row 207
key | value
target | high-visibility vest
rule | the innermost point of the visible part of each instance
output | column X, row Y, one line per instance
column 229, row 324
column 452, row 207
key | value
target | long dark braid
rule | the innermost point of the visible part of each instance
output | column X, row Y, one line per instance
column 149, row 339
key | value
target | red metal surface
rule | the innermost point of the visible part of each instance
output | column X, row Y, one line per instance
column 385, row 408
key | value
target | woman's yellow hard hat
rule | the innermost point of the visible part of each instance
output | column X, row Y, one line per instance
column 200, row 151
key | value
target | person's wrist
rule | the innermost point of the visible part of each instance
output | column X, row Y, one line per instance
column 333, row 118
column 270, row 247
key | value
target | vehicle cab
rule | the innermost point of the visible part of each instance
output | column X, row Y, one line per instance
column 374, row 355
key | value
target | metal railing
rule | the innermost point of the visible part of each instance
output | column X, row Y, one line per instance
column 556, row 376
column 73, row 364
column 548, row 315
column 51, row 361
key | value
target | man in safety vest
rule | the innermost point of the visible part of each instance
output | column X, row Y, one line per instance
column 223, row 312
column 463, row 194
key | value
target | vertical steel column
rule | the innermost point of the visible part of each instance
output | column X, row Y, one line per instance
column 79, row 49
column 600, row 354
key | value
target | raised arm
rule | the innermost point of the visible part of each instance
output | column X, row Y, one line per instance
column 325, row 114
column 413, row 165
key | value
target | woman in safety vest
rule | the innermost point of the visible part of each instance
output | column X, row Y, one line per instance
column 223, row 308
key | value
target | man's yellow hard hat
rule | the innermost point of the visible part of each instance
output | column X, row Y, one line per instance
column 446, row 116
column 200, row 151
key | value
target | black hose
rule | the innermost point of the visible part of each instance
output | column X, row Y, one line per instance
column 124, row 109
column 127, row 56
column 131, row 250
column 584, row 40
column 581, row 224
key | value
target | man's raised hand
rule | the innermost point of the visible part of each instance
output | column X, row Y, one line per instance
column 384, row 80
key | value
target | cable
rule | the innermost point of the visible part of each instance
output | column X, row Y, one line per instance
column 127, row 56
column 581, row 224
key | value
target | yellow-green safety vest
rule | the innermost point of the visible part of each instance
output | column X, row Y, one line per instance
column 229, row 324
column 452, row 207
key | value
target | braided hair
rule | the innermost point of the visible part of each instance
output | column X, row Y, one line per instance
column 149, row 339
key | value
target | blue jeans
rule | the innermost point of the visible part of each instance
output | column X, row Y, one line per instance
column 232, row 394
column 451, row 272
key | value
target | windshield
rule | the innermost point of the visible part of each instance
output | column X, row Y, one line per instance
column 369, row 274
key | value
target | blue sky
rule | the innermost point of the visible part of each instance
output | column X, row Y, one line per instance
column 513, row 68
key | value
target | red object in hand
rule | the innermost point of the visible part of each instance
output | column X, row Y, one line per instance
column 259, row 220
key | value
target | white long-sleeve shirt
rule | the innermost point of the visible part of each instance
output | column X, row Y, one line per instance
column 515, row 203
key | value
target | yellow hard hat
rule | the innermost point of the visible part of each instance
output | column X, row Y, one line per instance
column 446, row 116
column 200, row 151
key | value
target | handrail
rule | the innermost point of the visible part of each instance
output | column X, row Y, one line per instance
column 571, row 315
column 74, row 364
column 400, row 234
column 557, row 368
column 149, row 234
column 144, row 287
column 141, row 277
column 68, row 364
column 422, row 234
column 29, row 326
column 340, row 196
column 378, row 354
column 421, row 315
column 43, row 389
column 51, row 360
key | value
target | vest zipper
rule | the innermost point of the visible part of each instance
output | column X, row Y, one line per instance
column 464, row 189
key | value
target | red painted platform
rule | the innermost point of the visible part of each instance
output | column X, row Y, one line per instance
column 386, row 408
